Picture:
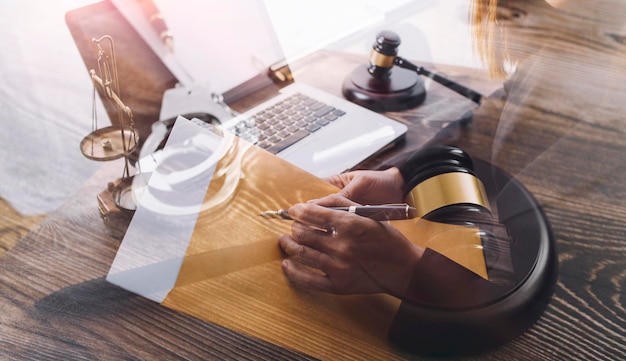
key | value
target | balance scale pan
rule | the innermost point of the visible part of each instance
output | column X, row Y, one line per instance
column 108, row 144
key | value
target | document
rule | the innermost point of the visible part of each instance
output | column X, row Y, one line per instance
column 197, row 244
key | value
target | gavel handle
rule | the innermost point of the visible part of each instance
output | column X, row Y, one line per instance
column 450, row 84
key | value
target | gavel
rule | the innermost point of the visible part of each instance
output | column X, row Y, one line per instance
column 378, row 86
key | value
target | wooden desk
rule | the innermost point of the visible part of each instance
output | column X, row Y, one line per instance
column 56, row 305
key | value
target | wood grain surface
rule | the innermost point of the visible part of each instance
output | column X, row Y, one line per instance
column 14, row 226
column 557, row 126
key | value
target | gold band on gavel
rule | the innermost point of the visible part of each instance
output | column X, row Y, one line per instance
column 382, row 60
column 447, row 189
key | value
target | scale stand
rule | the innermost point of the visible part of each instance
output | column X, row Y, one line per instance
column 116, row 203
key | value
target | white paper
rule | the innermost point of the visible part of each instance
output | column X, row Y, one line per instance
column 154, row 246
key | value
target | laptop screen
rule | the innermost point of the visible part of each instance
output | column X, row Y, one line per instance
column 228, row 47
column 220, row 43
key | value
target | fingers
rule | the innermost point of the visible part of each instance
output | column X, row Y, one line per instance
column 302, row 277
column 316, row 226
column 340, row 180
column 323, row 240
column 334, row 200
column 315, row 215
column 349, row 184
column 329, row 231
column 304, row 254
column 306, row 267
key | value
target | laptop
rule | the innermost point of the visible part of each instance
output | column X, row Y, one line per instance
column 226, row 49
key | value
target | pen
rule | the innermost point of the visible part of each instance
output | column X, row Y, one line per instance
column 386, row 212
column 157, row 22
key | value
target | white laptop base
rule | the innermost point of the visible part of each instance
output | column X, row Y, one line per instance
column 342, row 144
column 339, row 146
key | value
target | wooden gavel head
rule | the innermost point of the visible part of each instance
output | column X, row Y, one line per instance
column 384, row 51
column 380, row 86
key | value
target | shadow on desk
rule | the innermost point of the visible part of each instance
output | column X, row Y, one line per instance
column 94, row 297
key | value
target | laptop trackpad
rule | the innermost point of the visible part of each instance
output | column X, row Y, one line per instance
column 339, row 146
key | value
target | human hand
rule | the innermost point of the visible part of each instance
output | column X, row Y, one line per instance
column 342, row 253
column 369, row 186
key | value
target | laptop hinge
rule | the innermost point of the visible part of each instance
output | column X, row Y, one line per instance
column 281, row 73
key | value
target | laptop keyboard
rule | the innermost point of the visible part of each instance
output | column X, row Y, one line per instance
column 286, row 122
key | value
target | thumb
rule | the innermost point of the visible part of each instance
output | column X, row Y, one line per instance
column 340, row 180
column 334, row 200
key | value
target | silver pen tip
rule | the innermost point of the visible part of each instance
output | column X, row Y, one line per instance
column 282, row 214
column 270, row 214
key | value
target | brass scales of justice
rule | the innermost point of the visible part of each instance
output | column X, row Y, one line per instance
column 116, row 203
